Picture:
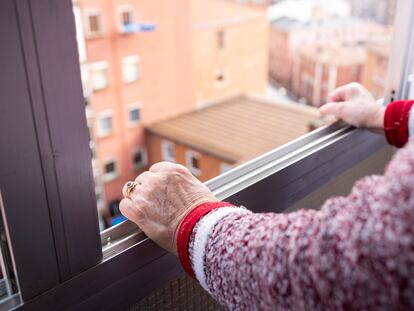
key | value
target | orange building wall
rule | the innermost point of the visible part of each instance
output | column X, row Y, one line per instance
column 164, row 86
column 245, row 58
column 210, row 165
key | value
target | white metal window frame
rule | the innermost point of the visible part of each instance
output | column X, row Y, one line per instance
column 104, row 115
column 130, row 64
column 87, row 14
column 166, row 147
column 189, row 156
column 144, row 157
column 111, row 176
column 134, row 106
column 100, row 67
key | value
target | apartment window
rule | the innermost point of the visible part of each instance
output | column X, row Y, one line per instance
column 126, row 19
column 193, row 162
column 134, row 114
column 139, row 158
column 99, row 75
column 130, row 69
column 221, row 76
column 93, row 22
column 105, row 123
column 221, row 39
column 168, row 151
column 110, row 170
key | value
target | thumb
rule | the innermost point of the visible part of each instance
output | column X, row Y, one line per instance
column 335, row 109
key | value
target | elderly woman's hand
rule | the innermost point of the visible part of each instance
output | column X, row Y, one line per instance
column 163, row 196
column 355, row 105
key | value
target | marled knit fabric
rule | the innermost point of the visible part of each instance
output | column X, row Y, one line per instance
column 356, row 253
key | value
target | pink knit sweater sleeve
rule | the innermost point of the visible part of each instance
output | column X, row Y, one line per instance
column 356, row 253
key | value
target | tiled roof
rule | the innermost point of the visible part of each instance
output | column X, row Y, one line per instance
column 238, row 128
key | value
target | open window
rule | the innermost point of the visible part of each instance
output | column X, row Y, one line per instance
column 45, row 131
column 94, row 25
column 139, row 158
column 193, row 162
column 126, row 19
column 110, row 171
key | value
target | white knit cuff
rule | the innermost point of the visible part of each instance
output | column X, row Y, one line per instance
column 204, row 229
column 411, row 122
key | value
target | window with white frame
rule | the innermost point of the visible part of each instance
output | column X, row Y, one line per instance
column 93, row 22
column 168, row 151
column 126, row 18
column 130, row 68
column 99, row 75
column 105, row 125
column 110, row 170
column 134, row 114
column 193, row 162
column 139, row 158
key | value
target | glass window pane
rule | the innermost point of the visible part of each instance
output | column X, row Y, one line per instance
column 230, row 81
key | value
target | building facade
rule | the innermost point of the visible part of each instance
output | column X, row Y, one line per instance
column 228, row 132
column 322, row 69
column 288, row 37
column 381, row 11
column 137, row 70
column 223, row 62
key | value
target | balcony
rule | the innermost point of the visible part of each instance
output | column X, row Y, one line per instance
column 133, row 28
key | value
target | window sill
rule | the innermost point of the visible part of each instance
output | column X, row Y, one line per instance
column 95, row 35
column 97, row 90
column 298, row 167
column 104, row 135
column 107, row 178
column 293, row 171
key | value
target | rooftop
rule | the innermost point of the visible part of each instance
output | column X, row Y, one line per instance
column 238, row 128
column 289, row 24
column 219, row 12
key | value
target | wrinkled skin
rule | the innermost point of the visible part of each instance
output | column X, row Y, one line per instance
column 355, row 105
column 165, row 194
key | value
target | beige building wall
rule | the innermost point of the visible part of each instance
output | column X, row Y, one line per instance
column 241, row 61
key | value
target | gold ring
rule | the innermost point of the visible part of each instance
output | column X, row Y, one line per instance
column 131, row 186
